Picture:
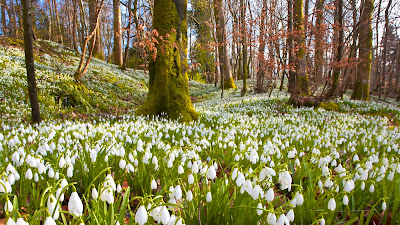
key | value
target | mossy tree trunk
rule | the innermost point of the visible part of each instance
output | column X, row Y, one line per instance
column 117, row 51
column 300, row 84
column 29, row 60
column 169, row 90
column 361, row 87
column 223, row 51
column 98, row 51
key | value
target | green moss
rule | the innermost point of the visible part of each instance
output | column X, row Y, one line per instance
column 229, row 83
column 169, row 91
column 330, row 106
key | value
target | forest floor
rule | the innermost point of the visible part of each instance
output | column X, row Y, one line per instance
column 254, row 154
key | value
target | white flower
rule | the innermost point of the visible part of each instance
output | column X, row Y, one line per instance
column 119, row 188
column 286, row 180
column 122, row 164
column 53, row 207
column 211, row 173
column 299, row 199
column 322, row 221
column 49, row 221
column 165, row 216
column 191, row 179
column 61, row 162
column 383, row 206
column 70, row 171
column 21, row 221
column 10, row 221
column 332, row 204
column 189, row 196
column 240, row 179
column 209, row 197
column 345, row 200
column 59, row 195
column 8, row 206
column 95, row 193
column 269, row 195
column 153, row 184
column 283, row 220
column 75, row 206
column 371, row 188
column 141, row 215
column 259, row 209
column 234, row 174
column 290, row 215
column 362, row 186
column 271, row 218
column 180, row 169
column 178, row 192
column 349, row 186
column 29, row 174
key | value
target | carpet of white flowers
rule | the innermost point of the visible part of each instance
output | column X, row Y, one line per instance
column 250, row 160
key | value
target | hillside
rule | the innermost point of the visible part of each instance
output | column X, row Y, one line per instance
column 104, row 89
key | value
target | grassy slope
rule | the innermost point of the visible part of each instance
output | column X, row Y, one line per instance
column 104, row 89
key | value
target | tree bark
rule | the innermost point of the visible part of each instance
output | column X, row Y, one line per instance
column 339, row 54
column 243, row 30
column 128, row 34
column 319, row 41
column 98, row 51
column 117, row 33
column 385, row 52
column 300, row 85
column 75, row 25
column 361, row 88
column 29, row 60
column 261, row 56
column 3, row 18
column 224, row 59
column 168, row 85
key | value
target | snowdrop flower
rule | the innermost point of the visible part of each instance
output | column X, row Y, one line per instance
column 29, row 174
column 211, row 173
column 269, row 195
column 286, row 180
column 61, row 162
column 70, row 171
column 75, row 206
column 21, row 221
column 180, row 169
column 345, row 200
column 8, row 206
column 53, row 207
column 290, row 215
column 36, row 177
column 10, row 221
column 234, row 174
column 153, row 185
column 50, row 221
column 362, row 186
column 271, row 218
column 332, row 204
column 141, row 215
column 209, row 197
column 59, row 195
column 349, row 186
column 119, row 188
column 371, row 188
column 189, row 196
column 384, row 206
column 299, row 199
column 165, row 216
column 259, row 209
column 195, row 168
column 283, row 220
column 322, row 221
column 122, row 164
column 191, row 179
column 95, row 194
column 240, row 179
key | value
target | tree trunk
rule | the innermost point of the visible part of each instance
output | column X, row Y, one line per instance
column 117, row 33
column 225, row 67
column 337, row 68
column 261, row 57
column 98, row 51
column 300, row 85
column 244, row 45
column 3, row 18
column 289, row 45
column 319, row 41
column 385, row 52
column 168, row 85
column 75, row 25
column 13, row 19
column 29, row 60
column 361, row 88
column 128, row 34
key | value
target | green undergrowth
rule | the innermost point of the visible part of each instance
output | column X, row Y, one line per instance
column 105, row 89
